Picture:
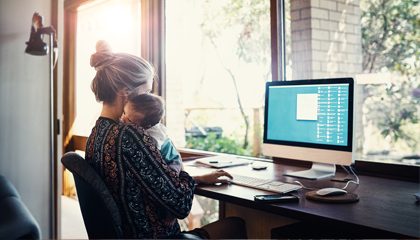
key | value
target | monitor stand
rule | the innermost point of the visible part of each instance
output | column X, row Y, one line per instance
column 318, row 171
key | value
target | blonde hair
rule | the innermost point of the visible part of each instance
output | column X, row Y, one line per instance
column 114, row 71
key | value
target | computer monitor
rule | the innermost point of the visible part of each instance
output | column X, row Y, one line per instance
column 310, row 120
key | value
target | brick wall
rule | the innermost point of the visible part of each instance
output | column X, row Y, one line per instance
column 326, row 38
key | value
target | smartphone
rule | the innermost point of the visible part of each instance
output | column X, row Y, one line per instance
column 287, row 197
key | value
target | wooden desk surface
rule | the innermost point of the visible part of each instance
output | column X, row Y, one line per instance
column 386, row 207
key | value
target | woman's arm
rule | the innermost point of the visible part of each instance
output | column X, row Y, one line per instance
column 159, row 182
column 212, row 177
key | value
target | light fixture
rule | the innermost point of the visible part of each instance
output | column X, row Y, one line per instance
column 36, row 46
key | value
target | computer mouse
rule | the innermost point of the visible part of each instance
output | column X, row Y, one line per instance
column 258, row 167
column 330, row 191
column 225, row 178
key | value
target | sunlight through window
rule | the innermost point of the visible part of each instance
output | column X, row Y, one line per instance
column 115, row 21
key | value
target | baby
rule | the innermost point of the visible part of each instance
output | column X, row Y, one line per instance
column 146, row 110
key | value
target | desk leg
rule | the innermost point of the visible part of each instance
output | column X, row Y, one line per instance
column 222, row 214
column 258, row 223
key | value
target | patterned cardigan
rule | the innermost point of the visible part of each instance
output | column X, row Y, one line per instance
column 140, row 181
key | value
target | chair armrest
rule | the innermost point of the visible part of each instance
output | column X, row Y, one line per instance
column 16, row 221
column 7, row 189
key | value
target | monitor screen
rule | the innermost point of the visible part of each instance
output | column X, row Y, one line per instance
column 309, row 114
column 306, row 114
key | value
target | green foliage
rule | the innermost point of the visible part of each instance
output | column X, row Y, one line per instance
column 390, row 43
column 239, row 33
column 221, row 145
column 248, row 19
column 390, row 35
column 394, row 110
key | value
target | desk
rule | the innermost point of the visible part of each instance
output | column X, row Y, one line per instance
column 386, row 209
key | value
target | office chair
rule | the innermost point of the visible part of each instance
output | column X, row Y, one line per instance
column 16, row 222
column 100, row 212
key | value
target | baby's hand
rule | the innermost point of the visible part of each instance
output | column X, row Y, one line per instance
column 169, row 222
column 123, row 119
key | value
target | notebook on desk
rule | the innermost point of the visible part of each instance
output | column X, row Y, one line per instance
column 223, row 161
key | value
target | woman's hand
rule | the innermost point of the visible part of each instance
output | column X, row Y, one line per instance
column 212, row 177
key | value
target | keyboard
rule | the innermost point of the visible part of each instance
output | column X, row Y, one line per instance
column 263, row 184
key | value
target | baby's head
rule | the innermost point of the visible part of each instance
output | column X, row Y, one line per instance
column 144, row 110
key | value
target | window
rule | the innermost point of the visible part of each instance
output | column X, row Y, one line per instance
column 375, row 42
column 117, row 22
column 211, row 45
column 218, row 57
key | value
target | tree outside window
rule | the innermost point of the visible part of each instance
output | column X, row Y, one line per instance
column 226, row 46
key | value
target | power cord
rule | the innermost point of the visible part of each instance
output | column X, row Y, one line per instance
column 304, row 186
column 345, row 169
column 350, row 181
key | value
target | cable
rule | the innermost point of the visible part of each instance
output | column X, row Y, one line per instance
column 350, row 181
column 345, row 169
column 304, row 186
column 354, row 170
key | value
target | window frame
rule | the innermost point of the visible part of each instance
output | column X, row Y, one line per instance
column 152, row 49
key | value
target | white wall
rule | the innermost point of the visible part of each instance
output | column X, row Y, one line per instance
column 24, row 108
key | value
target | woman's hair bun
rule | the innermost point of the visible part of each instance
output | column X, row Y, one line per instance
column 103, row 46
column 103, row 52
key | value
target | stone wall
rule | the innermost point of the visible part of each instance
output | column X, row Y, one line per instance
column 326, row 38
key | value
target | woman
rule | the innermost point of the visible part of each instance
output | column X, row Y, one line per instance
column 143, row 186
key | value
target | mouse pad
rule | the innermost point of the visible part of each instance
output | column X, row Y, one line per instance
column 346, row 198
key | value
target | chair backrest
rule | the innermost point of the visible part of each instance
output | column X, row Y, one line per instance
column 100, row 212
